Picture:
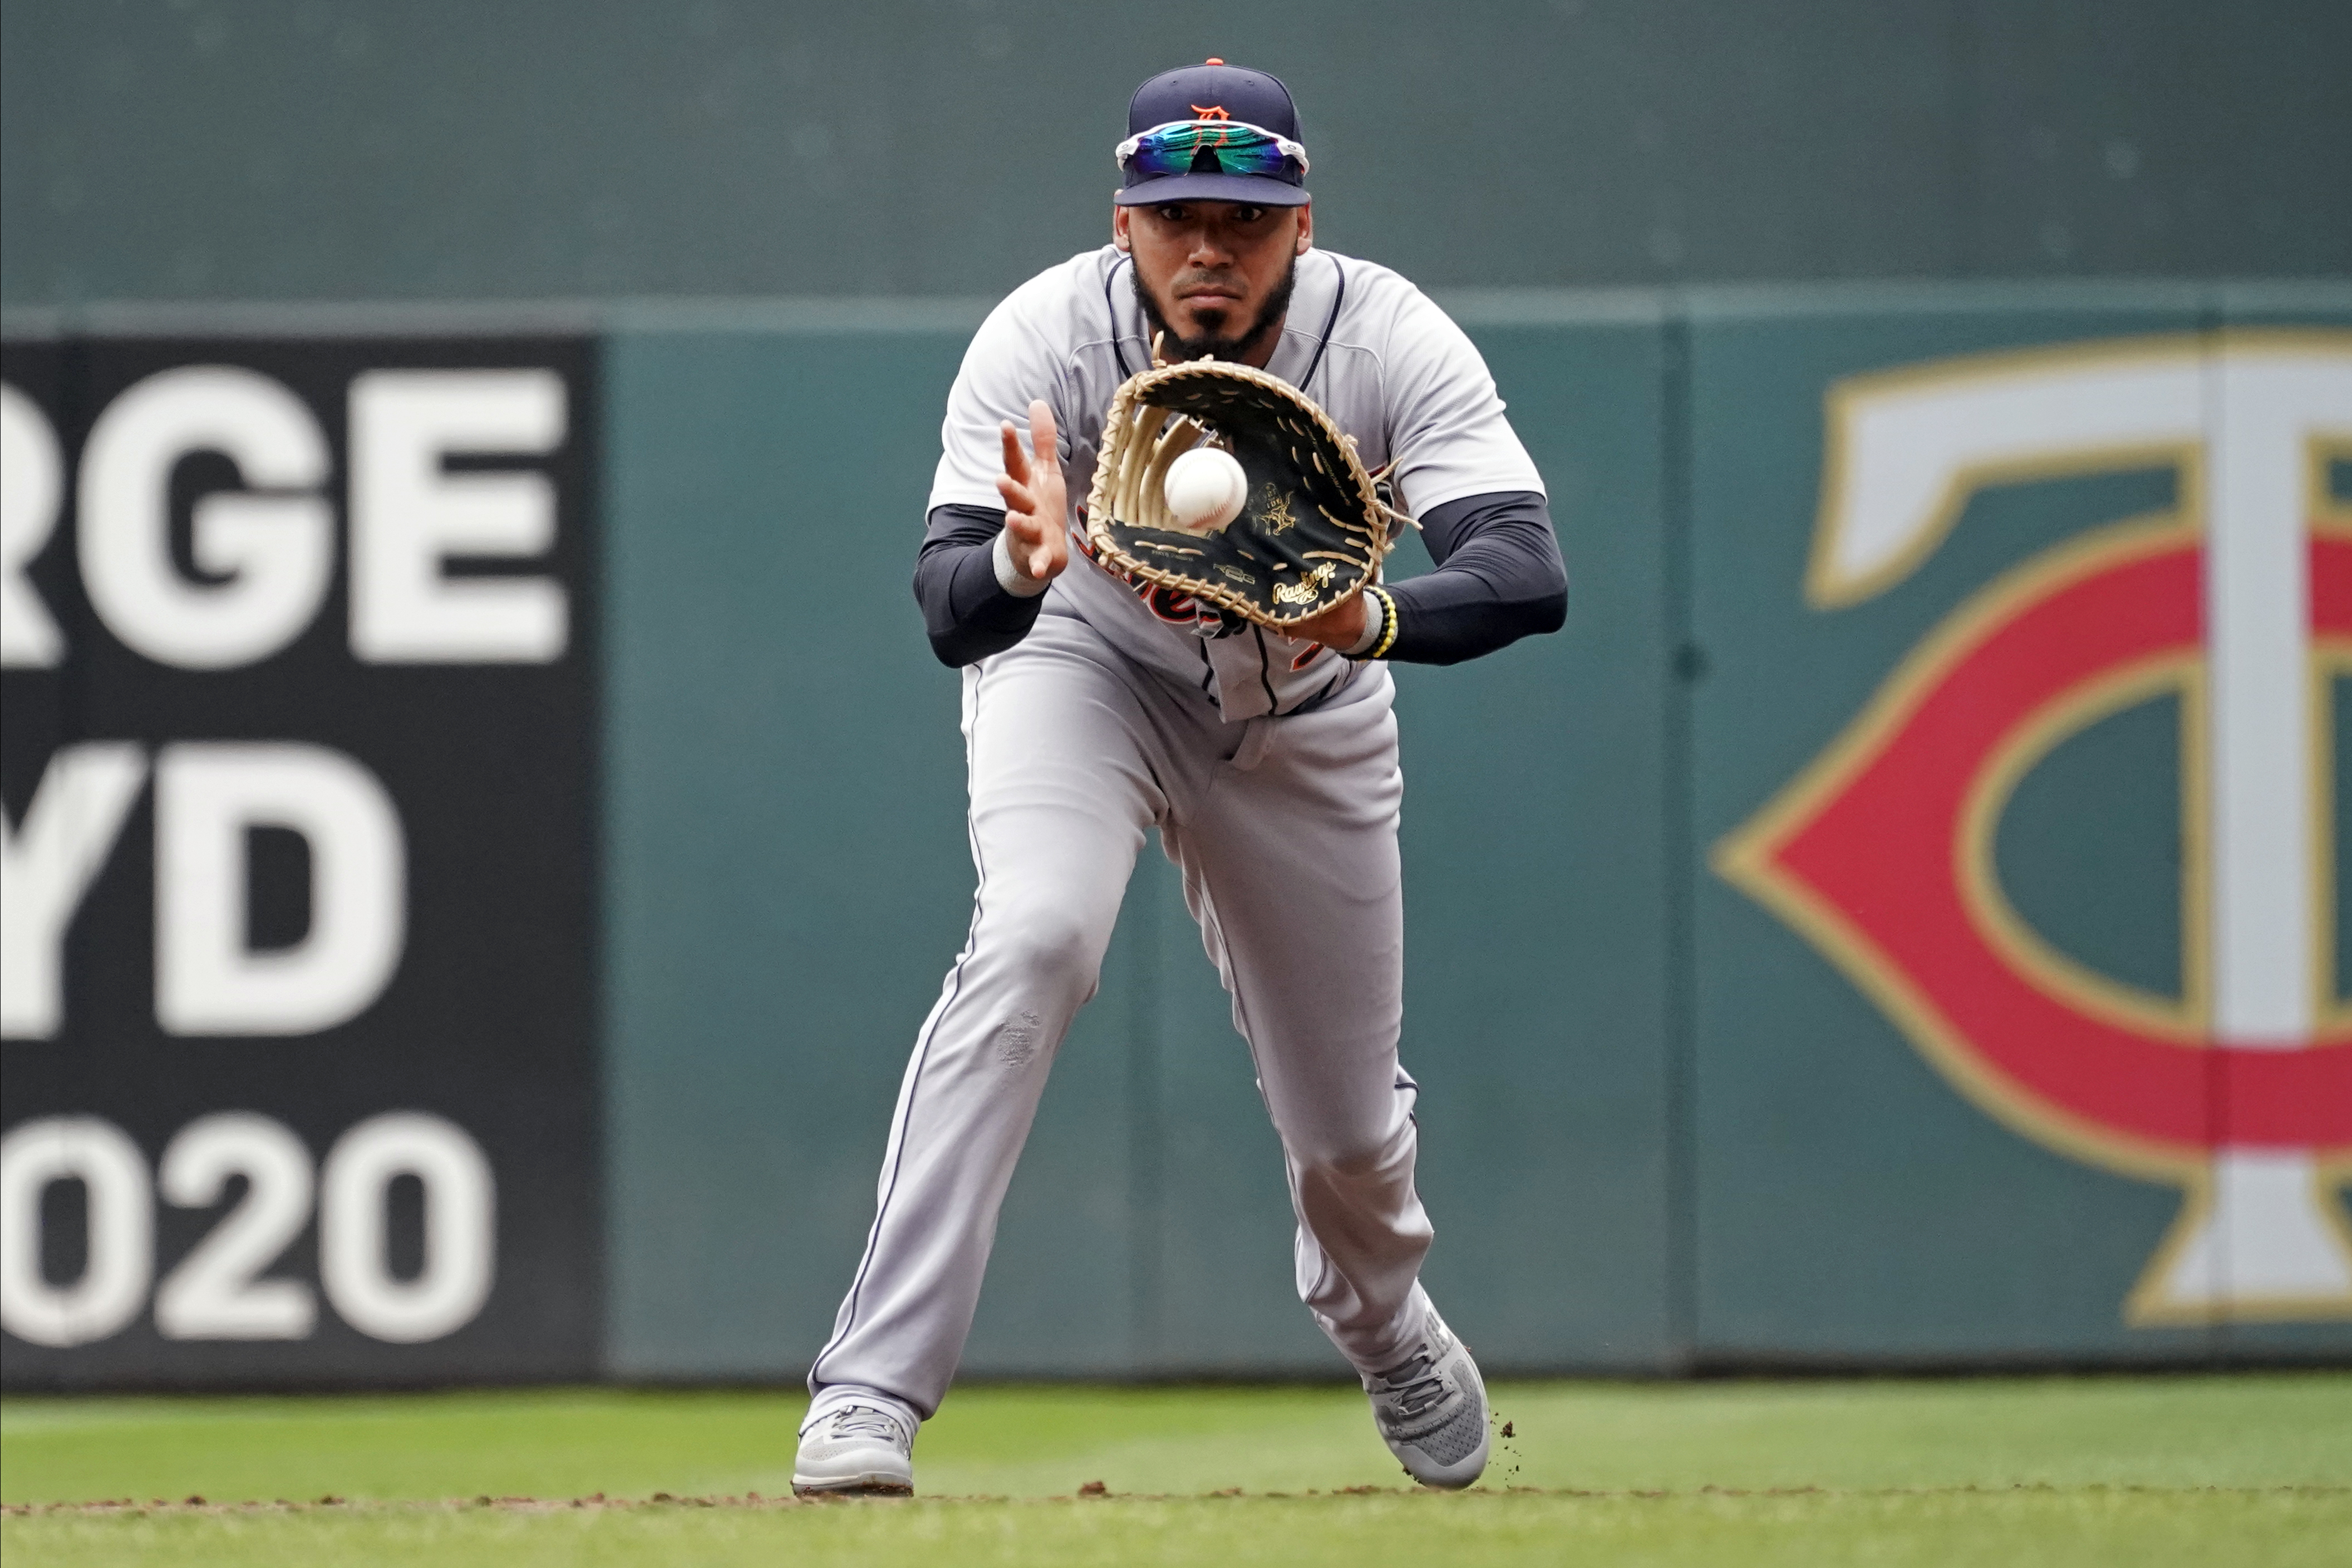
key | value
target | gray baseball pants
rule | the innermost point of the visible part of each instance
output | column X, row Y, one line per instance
column 1285, row 830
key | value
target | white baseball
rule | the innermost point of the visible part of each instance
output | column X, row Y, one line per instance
column 1205, row 488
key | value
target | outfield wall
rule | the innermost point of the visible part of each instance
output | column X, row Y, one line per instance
column 1851, row 942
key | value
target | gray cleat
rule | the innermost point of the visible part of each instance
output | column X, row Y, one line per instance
column 1430, row 1409
column 856, row 1448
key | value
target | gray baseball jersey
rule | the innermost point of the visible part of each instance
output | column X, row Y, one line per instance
column 1390, row 367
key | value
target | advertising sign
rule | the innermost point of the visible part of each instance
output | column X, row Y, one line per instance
column 300, row 865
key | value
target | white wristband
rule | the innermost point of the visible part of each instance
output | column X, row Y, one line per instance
column 1375, row 617
column 1009, row 576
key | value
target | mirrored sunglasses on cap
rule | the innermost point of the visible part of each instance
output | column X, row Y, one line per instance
column 1238, row 149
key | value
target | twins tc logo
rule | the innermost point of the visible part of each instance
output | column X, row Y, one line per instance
column 2238, row 604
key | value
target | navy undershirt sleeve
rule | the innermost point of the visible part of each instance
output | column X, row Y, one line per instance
column 966, row 610
column 1499, row 578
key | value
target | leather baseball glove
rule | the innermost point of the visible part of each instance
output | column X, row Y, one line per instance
column 1312, row 531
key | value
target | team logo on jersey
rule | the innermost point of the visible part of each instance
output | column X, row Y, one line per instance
column 2238, row 606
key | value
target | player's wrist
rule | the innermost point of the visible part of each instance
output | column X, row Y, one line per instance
column 1376, row 620
column 1008, row 575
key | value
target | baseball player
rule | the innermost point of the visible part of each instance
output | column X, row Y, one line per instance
column 1096, row 710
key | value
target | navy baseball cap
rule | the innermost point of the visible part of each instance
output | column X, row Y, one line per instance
column 1269, row 170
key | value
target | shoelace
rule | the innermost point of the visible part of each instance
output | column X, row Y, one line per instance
column 865, row 1421
column 1415, row 1386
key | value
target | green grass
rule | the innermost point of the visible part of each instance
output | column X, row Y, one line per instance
column 2026, row 1529
column 2254, row 1469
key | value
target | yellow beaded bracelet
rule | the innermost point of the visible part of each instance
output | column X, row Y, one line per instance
column 1388, row 633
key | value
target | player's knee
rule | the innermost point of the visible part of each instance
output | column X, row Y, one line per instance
column 1344, row 1160
column 1054, row 948
column 1346, row 1166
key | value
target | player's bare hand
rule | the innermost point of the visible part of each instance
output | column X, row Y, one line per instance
column 1341, row 626
column 1036, row 512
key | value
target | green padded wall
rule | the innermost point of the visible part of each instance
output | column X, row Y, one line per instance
column 1662, row 1130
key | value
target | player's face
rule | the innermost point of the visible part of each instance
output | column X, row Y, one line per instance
column 1216, row 275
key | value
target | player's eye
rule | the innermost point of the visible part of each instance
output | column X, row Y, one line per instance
column 1245, row 215
column 1173, row 213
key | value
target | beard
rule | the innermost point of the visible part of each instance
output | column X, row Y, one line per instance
column 1215, row 343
